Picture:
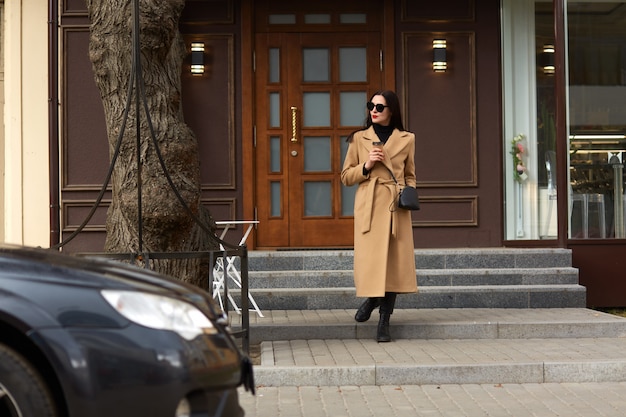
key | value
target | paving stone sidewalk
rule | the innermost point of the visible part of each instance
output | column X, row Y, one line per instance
column 469, row 400
column 445, row 362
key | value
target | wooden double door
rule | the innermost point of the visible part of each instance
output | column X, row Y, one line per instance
column 311, row 93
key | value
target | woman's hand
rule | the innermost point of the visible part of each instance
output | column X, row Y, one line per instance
column 376, row 155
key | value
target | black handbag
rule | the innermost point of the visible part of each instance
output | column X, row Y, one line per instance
column 408, row 198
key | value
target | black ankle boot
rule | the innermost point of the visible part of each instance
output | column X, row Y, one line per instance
column 365, row 311
column 383, row 328
column 386, row 308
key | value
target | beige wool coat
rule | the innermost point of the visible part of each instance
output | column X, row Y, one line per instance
column 384, row 259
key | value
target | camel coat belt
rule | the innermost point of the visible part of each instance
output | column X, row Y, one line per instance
column 384, row 255
column 394, row 189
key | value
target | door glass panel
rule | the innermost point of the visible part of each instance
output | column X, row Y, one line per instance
column 274, row 109
column 282, row 19
column 317, row 201
column 347, row 193
column 315, row 65
column 352, row 108
column 316, row 109
column 274, row 65
column 317, row 19
column 353, row 18
column 275, row 154
column 275, row 198
column 352, row 64
column 317, row 154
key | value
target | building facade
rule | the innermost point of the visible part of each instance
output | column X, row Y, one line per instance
column 517, row 106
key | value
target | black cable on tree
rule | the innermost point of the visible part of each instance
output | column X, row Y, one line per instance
column 136, row 80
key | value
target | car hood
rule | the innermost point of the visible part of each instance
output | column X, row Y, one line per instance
column 46, row 265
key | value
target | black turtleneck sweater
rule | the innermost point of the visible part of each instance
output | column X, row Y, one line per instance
column 383, row 132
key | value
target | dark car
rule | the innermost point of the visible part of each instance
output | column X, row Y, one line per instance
column 83, row 337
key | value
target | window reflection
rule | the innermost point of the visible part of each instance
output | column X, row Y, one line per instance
column 597, row 117
column 315, row 65
column 274, row 115
column 317, row 198
column 347, row 193
column 353, row 64
column 316, row 109
column 275, row 206
column 596, row 63
column 275, row 154
column 274, row 65
column 317, row 154
column 546, row 127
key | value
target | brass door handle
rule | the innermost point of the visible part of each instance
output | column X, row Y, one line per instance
column 294, row 124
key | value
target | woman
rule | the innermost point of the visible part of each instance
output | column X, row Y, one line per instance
column 384, row 259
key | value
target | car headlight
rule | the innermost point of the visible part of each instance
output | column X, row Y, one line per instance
column 160, row 312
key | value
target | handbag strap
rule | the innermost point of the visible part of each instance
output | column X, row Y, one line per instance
column 394, row 203
column 392, row 176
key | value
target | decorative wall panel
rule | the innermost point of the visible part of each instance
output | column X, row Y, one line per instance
column 447, row 211
column 221, row 208
column 85, row 148
column 440, row 11
column 74, row 7
column 76, row 211
column 208, row 12
column 441, row 109
column 209, row 108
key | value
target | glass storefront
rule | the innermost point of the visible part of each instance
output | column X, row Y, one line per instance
column 597, row 117
column 596, row 114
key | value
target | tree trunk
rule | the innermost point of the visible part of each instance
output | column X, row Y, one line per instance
column 167, row 226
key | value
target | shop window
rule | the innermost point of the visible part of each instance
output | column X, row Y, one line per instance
column 596, row 151
column 597, row 117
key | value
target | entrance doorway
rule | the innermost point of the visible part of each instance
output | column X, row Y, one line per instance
column 311, row 91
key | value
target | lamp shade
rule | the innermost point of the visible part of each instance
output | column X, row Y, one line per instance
column 197, row 58
column 440, row 63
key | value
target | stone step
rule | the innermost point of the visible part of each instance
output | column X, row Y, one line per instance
column 439, row 346
column 473, row 296
column 321, row 260
column 454, row 323
column 425, row 277
column 447, row 278
column 432, row 362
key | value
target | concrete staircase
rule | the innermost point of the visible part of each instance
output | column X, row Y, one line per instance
column 482, row 316
column 447, row 278
column 440, row 346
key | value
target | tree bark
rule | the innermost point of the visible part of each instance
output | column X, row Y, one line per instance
column 167, row 226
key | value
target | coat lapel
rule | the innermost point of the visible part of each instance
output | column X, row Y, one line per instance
column 397, row 142
column 394, row 145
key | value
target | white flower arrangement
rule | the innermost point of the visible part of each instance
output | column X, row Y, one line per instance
column 518, row 150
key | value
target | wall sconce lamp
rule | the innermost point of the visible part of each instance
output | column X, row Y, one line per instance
column 547, row 59
column 197, row 58
column 439, row 55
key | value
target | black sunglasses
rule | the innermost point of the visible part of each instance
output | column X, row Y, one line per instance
column 379, row 107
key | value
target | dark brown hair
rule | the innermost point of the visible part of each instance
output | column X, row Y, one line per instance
column 393, row 104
